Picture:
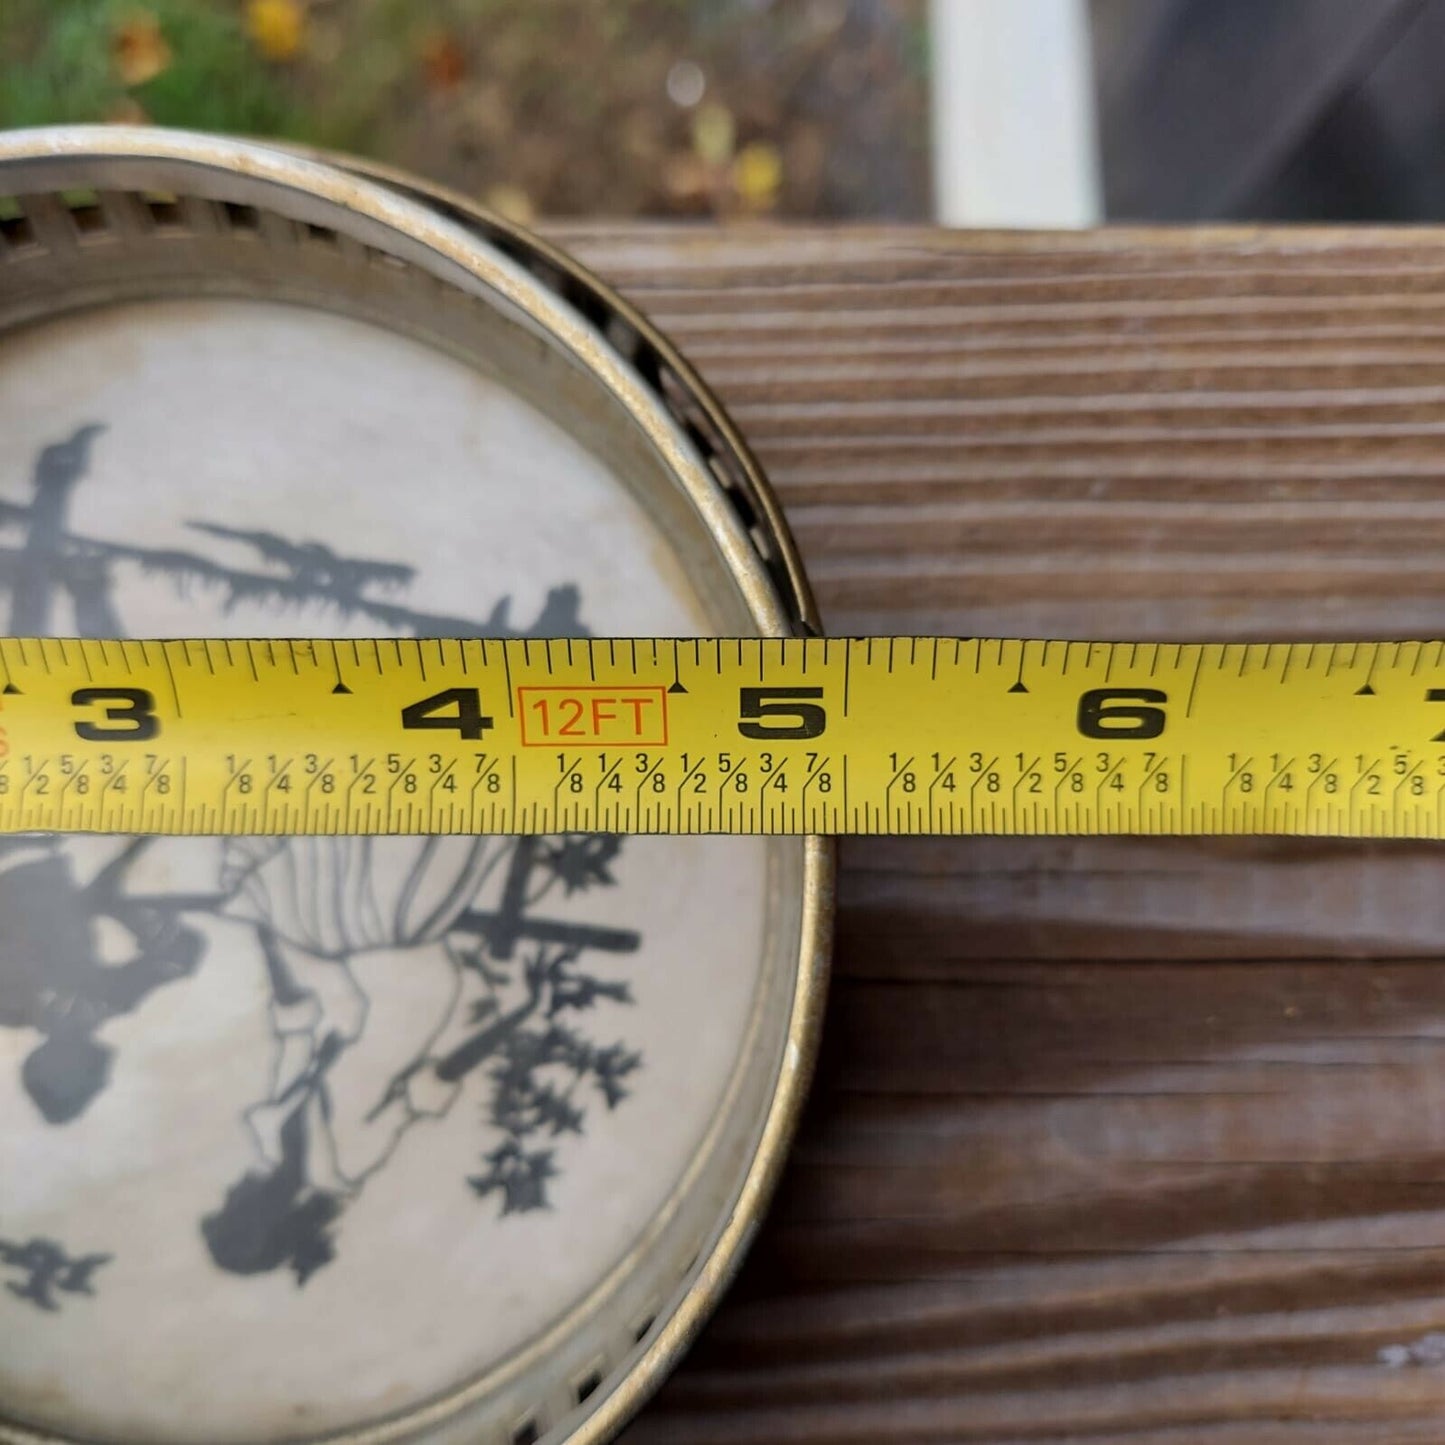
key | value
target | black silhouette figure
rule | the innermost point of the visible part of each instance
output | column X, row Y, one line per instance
column 540, row 1071
column 275, row 1219
column 283, row 1212
column 44, row 560
column 46, row 1267
column 51, row 978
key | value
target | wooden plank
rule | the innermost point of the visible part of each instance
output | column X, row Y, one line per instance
column 1112, row 1140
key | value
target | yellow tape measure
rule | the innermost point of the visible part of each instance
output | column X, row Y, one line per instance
column 866, row 735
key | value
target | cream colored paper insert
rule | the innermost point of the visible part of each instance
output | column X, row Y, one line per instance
column 295, row 1135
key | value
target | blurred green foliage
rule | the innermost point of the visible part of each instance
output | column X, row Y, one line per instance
column 560, row 106
column 57, row 64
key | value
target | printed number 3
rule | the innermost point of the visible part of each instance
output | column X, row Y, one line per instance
column 130, row 714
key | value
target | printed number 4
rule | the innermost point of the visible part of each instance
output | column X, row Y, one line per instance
column 467, row 720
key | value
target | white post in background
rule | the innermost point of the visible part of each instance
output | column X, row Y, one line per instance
column 1014, row 139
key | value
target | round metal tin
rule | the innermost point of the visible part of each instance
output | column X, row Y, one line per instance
column 382, row 1139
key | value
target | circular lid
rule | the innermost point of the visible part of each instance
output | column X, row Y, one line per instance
column 441, row 1138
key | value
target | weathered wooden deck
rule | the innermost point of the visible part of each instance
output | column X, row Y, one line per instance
column 1112, row 1140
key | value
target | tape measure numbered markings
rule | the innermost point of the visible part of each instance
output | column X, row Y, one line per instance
column 866, row 735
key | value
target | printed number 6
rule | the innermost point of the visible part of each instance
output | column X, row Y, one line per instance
column 132, row 710
column 797, row 718
column 1121, row 712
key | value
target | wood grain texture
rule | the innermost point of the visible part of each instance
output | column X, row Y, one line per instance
column 1112, row 1140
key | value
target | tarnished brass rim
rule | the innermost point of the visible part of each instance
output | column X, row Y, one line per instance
column 709, row 459
column 654, row 355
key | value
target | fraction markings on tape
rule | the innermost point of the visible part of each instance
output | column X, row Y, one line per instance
column 838, row 735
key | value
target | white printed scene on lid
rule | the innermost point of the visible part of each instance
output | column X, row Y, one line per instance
column 297, row 1135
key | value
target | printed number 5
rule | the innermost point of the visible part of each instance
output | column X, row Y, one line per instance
column 131, row 713
column 795, row 717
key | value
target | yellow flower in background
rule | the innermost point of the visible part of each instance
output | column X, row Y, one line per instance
column 138, row 49
column 757, row 174
column 713, row 133
column 512, row 202
column 277, row 27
